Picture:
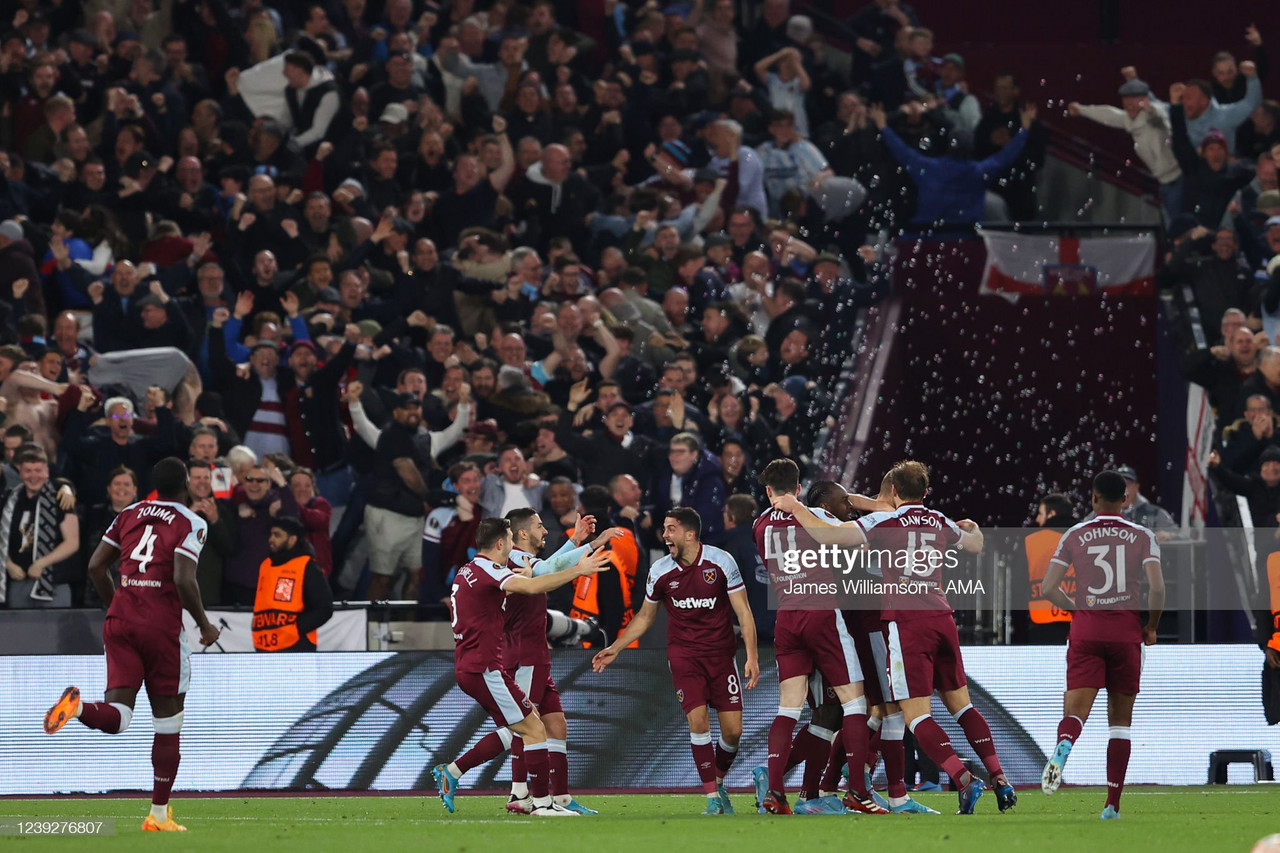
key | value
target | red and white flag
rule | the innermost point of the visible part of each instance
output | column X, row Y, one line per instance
column 1037, row 264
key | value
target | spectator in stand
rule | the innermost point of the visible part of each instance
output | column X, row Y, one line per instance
column 256, row 503
column 1147, row 121
column 783, row 75
column 959, row 105
column 37, row 538
column 95, row 454
column 1260, row 489
column 691, row 477
column 1002, row 123
column 448, row 538
column 738, row 164
column 220, row 515
column 1244, row 440
column 1204, row 114
column 1209, row 180
column 122, row 491
column 393, row 518
column 1219, row 281
column 1223, row 372
column 1265, row 380
column 953, row 189
column 1229, row 86
column 1260, row 133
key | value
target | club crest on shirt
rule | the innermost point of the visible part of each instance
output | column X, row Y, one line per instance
column 284, row 589
column 526, row 703
column 679, row 695
column 709, row 575
column 1090, row 600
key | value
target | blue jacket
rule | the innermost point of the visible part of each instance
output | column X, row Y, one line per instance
column 703, row 490
column 952, row 191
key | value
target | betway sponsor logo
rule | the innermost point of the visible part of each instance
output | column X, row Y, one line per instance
column 694, row 603
column 141, row 582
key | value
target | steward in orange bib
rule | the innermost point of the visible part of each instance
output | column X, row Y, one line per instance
column 293, row 597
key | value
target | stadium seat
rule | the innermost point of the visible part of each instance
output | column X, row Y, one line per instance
column 1259, row 758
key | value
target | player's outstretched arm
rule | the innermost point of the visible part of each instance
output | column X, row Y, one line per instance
column 100, row 570
column 747, row 622
column 184, row 578
column 824, row 531
column 1155, row 600
column 1051, row 587
column 635, row 630
column 588, row 565
column 973, row 540
column 862, row 503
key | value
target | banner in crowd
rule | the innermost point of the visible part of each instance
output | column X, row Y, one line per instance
column 1036, row 264
column 382, row 720
column 1200, row 433
column 346, row 631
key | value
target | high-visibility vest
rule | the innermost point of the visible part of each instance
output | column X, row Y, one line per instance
column 1273, row 580
column 277, row 605
column 624, row 555
column 1039, row 547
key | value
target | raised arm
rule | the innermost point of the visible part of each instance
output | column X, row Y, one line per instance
column 1183, row 150
column 971, row 539
column 502, row 175
column 635, row 630
column 588, row 565
column 848, row 533
column 1104, row 114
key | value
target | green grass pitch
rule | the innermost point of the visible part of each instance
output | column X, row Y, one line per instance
column 1159, row 820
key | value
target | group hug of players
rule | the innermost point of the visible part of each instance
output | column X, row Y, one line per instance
column 868, row 674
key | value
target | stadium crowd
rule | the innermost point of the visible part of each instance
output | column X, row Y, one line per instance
column 391, row 267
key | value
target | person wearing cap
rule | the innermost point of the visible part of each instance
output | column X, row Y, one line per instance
column 1209, row 179
column 311, row 100
column 960, row 106
column 1139, row 510
column 1146, row 120
column 394, row 515
column 292, row 599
